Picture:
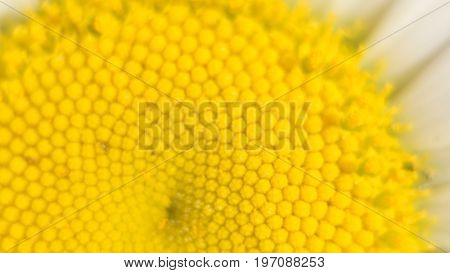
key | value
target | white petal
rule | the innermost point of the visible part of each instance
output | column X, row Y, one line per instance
column 440, row 172
column 352, row 10
column 425, row 103
column 438, row 209
column 318, row 6
column 16, row 4
column 407, row 49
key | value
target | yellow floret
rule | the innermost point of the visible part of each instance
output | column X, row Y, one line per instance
column 73, row 177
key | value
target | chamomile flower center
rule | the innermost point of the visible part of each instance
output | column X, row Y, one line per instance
column 69, row 134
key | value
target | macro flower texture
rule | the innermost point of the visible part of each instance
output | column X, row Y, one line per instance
column 370, row 175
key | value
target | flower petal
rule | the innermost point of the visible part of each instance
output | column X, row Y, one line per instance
column 438, row 209
column 318, row 6
column 408, row 49
column 425, row 102
column 17, row 4
column 351, row 10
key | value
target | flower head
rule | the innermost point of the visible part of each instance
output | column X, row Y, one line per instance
column 74, row 179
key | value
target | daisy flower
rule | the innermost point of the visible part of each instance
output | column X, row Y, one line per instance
column 370, row 175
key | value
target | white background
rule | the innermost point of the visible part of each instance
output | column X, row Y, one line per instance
column 81, row 263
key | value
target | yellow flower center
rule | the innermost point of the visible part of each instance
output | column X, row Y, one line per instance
column 72, row 175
